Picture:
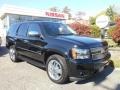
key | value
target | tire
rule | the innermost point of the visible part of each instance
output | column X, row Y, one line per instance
column 57, row 69
column 13, row 54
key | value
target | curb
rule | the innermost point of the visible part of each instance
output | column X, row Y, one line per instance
column 114, row 49
column 118, row 69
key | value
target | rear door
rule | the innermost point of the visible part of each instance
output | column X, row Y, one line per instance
column 21, row 39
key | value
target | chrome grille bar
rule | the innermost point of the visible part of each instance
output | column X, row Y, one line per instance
column 98, row 52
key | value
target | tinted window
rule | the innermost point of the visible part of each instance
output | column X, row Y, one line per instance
column 22, row 29
column 13, row 29
column 34, row 27
column 54, row 29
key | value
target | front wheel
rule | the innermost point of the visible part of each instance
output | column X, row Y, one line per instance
column 57, row 69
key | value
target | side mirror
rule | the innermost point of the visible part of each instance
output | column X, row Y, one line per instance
column 34, row 34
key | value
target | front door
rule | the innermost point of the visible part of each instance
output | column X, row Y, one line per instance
column 35, row 43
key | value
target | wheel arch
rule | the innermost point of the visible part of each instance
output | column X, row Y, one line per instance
column 52, row 52
column 10, row 44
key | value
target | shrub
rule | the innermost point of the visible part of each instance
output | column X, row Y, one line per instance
column 95, row 31
column 80, row 28
column 116, row 33
column 110, row 31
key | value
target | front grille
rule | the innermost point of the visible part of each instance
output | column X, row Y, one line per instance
column 99, row 52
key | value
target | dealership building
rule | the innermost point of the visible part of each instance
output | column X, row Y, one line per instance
column 11, row 14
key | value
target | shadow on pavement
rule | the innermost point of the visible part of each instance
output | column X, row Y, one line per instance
column 3, row 51
column 118, row 87
column 98, row 77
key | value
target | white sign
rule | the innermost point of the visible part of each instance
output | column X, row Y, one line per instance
column 9, row 9
column 102, row 21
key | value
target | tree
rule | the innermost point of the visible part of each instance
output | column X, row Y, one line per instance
column 110, row 31
column 67, row 11
column 54, row 9
column 110, row 12
column 92, row 20
column 95, row 31
column 79, row 15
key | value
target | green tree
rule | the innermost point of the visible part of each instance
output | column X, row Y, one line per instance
column 110, row 12
column 92, row 20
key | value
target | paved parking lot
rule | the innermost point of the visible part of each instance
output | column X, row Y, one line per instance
column 24, row 76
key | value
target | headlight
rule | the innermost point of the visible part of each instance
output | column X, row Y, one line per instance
column 80, row 53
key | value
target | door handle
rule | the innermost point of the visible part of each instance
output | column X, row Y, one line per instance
column 26, row 41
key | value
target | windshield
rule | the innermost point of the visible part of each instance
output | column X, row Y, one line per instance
column 54, row 29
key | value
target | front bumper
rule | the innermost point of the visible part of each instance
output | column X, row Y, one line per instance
column 87, row 69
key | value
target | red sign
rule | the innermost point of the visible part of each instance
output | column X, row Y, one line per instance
column 54, row 14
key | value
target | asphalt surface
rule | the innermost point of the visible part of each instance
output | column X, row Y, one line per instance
column 24, row 76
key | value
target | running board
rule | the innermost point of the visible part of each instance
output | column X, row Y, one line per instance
column 33, row 62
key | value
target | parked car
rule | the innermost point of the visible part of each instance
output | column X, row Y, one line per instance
column 56, row 47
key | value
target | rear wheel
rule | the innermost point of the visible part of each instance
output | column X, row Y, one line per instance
column 13, row 54
column 57, row 69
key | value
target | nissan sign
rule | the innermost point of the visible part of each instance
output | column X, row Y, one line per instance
column 55, row 15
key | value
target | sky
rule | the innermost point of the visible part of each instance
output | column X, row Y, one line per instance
column 91, row 7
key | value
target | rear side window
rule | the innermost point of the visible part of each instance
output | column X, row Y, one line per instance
column 22, row 31
column 13, row 29
column 34, row 27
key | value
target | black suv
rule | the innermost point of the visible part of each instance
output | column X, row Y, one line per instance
column 56, row 47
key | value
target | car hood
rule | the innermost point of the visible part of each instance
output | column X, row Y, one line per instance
column 81, row 40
